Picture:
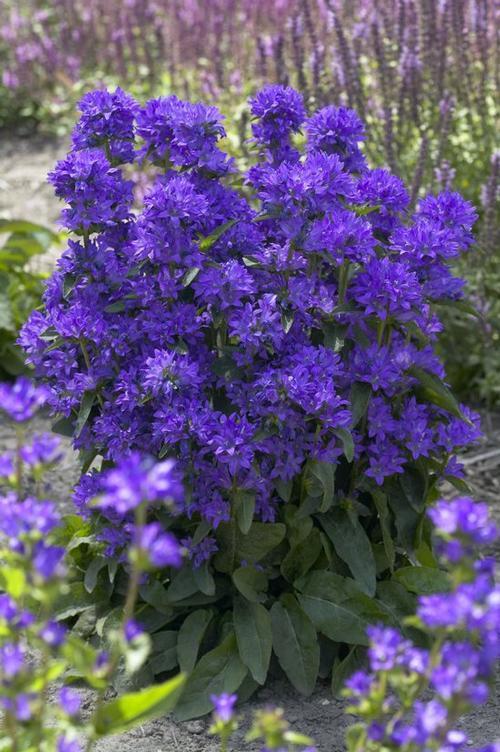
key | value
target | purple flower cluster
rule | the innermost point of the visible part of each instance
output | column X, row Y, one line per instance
column 227, row 327
column 465, row 624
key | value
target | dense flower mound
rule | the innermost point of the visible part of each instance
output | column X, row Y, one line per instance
column 272, row 331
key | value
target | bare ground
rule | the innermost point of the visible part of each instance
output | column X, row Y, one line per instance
column 25, row 194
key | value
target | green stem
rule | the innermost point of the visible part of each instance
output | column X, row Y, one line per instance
column 128, row 613
column 343, row 276
column 20, row 433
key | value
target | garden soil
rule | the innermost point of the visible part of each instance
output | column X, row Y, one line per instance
column 25, row 194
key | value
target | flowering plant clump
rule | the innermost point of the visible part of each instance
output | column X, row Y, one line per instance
column 463, row 625
column 39, row 656
column 273, row 332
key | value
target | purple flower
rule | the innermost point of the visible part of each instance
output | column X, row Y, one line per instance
column 66, row 744
column 70, row 701
column 22, row 399
column 47, row 560
column 107, row 121
column 162, row 549
column 466, row 517
column 138, row 479
column 280, row 112
column 53, row 634
column 132, row 630
column 224, row 706
column 12, row 659
column 337, row 130
column 43, row 450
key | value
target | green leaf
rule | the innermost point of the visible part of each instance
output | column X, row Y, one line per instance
column 183, row 584
column 207, row 242
column 204, row 579
column 422, row 580
column 380, row 501
column 287, row 319
column 396, row 600
column 359, row 398
column 220, row 670
column 338, row 608
column 437, row 393
column 244, row 504
column 22, row 226
column 250, row 582
column 6, row 317
column 252, row 626
column 407, row 520
column 164, row 651
column 344, row 668
column 117, row 307
column 301, row 557
column 236, row 547
column 321, row 482
column 63, row 427
column 353, row 546
column 190, row 637
column 92, row 572
column 414, row 485
column 83, row 415
column 190, row 276
column 135, row 708
column 346, row 438
column 295, row 643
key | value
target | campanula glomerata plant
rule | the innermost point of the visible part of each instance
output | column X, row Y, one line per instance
column 40, row 656
column 272, row 331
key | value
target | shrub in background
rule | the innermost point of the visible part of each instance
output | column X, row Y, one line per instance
column 39, row 656
column 273, row 331
column 21, row 285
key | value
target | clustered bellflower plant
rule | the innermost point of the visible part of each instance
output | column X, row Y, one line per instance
column 412, row 697
column 40, row 656
column 273, row 332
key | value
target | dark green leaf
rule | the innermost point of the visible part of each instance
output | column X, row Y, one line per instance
column 164, row 651
column 301, row 557
column 396, row 600
column 207, row 242
column 236, row 547
column 190, row 637
column 380, row 501
column 204, row 579
column 295, row 643
column 83, row 415
column 250, row 582
column 353, row 546
column 414, row 485
column 346, row 438
column 422, row 580
column 136, row 708
column 338, row 608
column 359, row 398
column 321, row 482
column 244, row 504
column 92, row 572
column 220, row 670
column 344, row 668
column 438, row 393
column 252, row 625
